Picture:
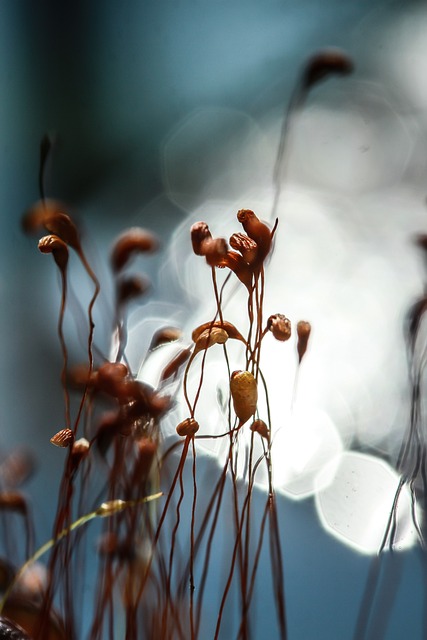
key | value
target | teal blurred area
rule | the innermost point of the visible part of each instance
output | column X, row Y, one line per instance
column 114, row 83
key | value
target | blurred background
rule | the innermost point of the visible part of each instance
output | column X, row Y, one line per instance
column 163, row 110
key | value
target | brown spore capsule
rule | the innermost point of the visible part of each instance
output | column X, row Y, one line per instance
column 57, row 247
column 199, row 233
column 214, row 250
column 175, row 364
column 61, row 225
column 280, row 327
column 131, row 287
column 209, row 337
column 187, row 427
column 258, row 231
column 231, row 330
column 13, row 501
column 111, row 377
column 328, row 62
column 164, row 336
column 259, row 426
column 80, row 449
column 303, row 333
column 244, row 392
column 132, row 241
column 245, row 245
column 62, row 438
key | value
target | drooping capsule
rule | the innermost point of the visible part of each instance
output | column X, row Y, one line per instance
column 187, row 427
column 280, row 327
column 303, row 332
column 259, row 426
column 244, row 392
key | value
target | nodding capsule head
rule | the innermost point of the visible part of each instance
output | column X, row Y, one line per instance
column 63, row 226
column 199, row 233
column 163, row 336
column 187, row 427
column 245, row 245
column 63, row 438
column 236, row 263
column 258, row 231
column 280, row 327
column 134, row 240
column 214, row 250
column 328, row 62
column 57, row 247
column 260, row 427
column 303, row 332
column 244, row 392
column 220, row 324
column 209, row 337
column 13, row 501
column 80, row 449
column 111, row 377
column 131, row 287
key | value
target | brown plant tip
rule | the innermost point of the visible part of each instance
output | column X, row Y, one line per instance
column 63, row 438
column 111, row 377
column 61, row 225
column 187, row 427
column 199, row 233
column 133, row 241
column 13, row 501
column 244, row 392
column 214, row 250
column 328, row 62
column 228, row 327
column 280, row 327
column 245, row 245
column 260, row 427
column 57, row 247
column 131, row 287
column 258, row 231
column 80, row 448
column 303, row 333
column 209, row 337
column 175, row 364
column 35, row 217
column 164, row 336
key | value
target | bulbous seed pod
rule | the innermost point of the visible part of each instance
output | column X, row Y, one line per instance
column 163, row 336
column 280, row 327
column 209, row 337
column 258, row 231
column 220, row 324
column 325, row 63
column 63, row 438
column 244, row 392
column 57, row 247
column 134, row 240
column 260, row 427
column 245, row 245
column 303, row 332
column 214, row 250
column 199, row 234
column 187, row 427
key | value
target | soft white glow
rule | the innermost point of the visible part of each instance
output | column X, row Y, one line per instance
column 356, row 504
